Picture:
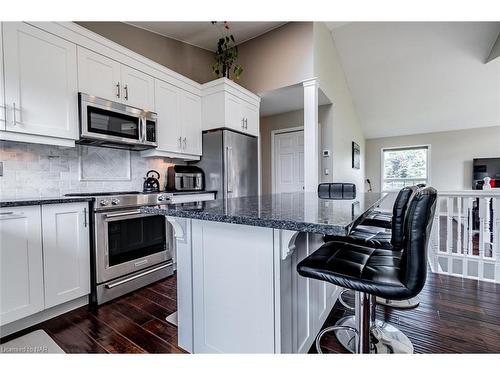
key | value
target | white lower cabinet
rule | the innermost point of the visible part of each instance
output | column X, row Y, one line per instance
column 21, row 268
column 240, row 292
column 44, row 258
column 233, row 298
column 66, row 255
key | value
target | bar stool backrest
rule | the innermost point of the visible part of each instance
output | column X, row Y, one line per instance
column 417, row 227
column 398, row 215
column 337, row 190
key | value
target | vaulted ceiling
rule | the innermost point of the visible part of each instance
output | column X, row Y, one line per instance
column 204, row 34
column 410, row 78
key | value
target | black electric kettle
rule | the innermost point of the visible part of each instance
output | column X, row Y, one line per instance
column 151, row 184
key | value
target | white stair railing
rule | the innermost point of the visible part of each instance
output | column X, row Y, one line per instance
column 465, row 237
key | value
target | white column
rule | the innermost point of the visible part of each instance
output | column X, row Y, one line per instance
column 311, row 135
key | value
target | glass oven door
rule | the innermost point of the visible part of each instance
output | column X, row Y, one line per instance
column 128, row 241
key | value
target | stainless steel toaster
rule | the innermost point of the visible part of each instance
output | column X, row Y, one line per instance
column 185, row 178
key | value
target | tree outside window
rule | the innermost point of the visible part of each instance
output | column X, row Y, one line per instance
column 404, row 167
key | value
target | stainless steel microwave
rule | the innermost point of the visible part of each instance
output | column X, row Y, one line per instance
column 110, row 124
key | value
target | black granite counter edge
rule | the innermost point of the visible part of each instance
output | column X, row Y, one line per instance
column 39, row 201
column 325, row 229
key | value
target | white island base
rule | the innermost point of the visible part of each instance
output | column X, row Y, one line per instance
column 239, row 290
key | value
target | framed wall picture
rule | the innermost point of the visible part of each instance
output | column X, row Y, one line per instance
column 356, row 155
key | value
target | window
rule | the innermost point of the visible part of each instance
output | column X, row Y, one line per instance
column 404, row 167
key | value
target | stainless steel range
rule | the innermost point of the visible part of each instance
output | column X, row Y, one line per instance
column 131, row 249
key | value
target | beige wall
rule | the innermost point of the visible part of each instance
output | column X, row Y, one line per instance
column 292, row 120
column 279, row 58
column 340, row 123
column 268, row 124
column 183, row 58
column 450, row 157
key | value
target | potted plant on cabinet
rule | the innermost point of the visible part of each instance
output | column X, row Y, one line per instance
column 226, row 54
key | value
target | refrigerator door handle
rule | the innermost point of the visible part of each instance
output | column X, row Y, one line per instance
column 229, row 166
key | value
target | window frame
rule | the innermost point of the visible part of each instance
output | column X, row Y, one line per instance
column 412, row 147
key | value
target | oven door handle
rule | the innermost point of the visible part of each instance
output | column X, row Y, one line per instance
column 118, row 283
column 121, row 214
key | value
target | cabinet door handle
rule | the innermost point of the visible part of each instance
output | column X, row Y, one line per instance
column 5, row 108
column 246, row 123
column 118, row 90
column 85, row 217
column 126, row 91
column 185, row 142
column 180, row 142
column 14, row 120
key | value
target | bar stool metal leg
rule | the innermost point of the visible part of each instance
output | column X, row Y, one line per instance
column 384, row 338
column 363, row 320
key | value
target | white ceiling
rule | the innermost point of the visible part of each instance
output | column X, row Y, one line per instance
column 410, row 78
column 286, row 99
column 204, row 34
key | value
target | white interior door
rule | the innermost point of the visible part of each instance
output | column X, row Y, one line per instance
column 289, row 161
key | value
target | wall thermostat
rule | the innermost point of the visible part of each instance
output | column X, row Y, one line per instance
column 326, row 153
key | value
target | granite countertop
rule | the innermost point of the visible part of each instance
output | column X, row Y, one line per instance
column 38, row 201
column 303, row 212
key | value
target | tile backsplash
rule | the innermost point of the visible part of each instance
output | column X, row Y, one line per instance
column 33, row 170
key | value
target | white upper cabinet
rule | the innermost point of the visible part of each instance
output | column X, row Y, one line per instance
column 2, row 86
column 21, row 273
column 138, row 89
column 190, row 108
column 250, row 115
column 66, row 253
column 98, row 75
column 179, row 123
column 228, row 105
column 167, row 106
column 40, row 82
column 106, row 78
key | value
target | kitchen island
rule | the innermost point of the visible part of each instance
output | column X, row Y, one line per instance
column 238, row 288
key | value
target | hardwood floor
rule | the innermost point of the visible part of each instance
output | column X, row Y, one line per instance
column 134, row 323
column 455, row 316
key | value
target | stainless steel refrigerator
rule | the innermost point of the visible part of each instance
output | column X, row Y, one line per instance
column 230, row 163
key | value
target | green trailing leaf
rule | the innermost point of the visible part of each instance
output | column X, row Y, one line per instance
column 226, row 55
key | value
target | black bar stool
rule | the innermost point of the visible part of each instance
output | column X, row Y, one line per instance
column 381, row 238
column 337, row 190
column 375, row 272
column 382, row 219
